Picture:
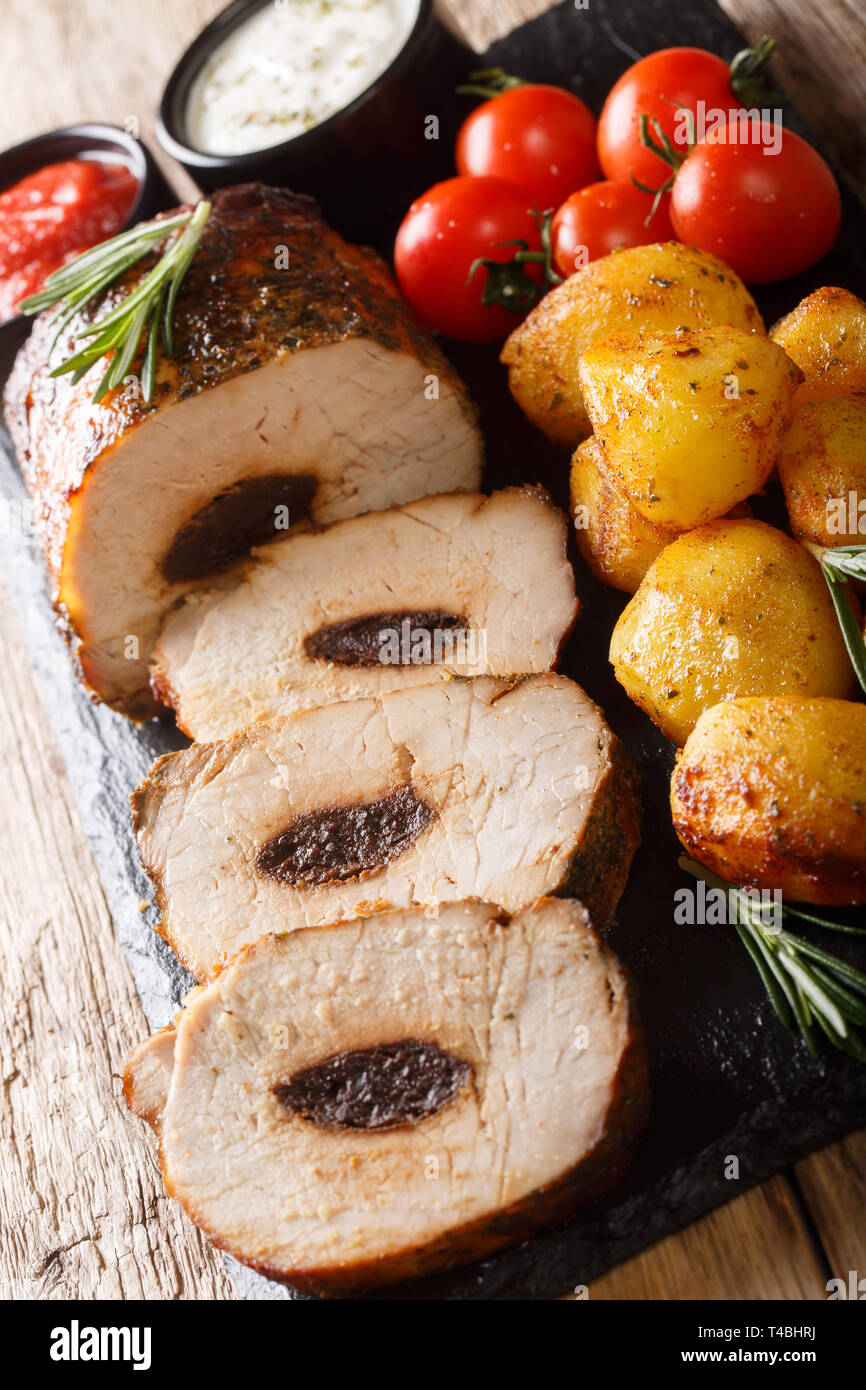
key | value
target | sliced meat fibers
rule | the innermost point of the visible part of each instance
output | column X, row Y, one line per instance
column 465, row 789
column 300, row 387
column 362, row 1103
column 445, row 586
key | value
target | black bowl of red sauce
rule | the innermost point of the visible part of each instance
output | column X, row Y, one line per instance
column 59, row 193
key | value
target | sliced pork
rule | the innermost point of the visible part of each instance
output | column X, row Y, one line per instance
column 301, row 387
column 442, row 587
column 462, row 789
column 352, row 1105
column 146, row 1078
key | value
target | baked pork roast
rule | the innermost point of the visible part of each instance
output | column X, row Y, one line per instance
column 300, row 387
column 437, row 793
column 367, row 1102
column 441, row 587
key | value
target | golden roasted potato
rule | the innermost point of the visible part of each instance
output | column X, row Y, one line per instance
column 822, row 468
column 826, row 336
column 732, row 608
column 690, row 423
column 649, row 288
column 771, row 793
column 618, row 544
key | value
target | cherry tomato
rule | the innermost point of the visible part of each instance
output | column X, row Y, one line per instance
column 658, row 85
column 768, row 214
column 443, row 232
column 601, row 218
column 541, row 138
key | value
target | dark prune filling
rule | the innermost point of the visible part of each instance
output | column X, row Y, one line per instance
column 339, row 843
column 228, row 527
column 397, row 1083
column 359, row 641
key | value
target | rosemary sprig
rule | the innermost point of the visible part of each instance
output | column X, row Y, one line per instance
column 806, row 985
column 839, row 563
column 143, row 314
column 849, row 560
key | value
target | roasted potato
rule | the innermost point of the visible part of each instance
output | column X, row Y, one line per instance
column 650, row 288
column 732, row 608
column 617, row 542
column 826, row 336
column 822, row 468
column 690, row 423
column 771, row 793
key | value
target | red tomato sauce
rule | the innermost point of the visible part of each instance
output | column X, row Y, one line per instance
column 52, row 215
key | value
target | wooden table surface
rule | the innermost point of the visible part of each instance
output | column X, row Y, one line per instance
column 83, row 1213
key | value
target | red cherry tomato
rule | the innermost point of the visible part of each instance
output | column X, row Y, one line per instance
column 450, row 226
column 768, row 214
column 600, row 219
column 541, row 138
column 657, row 86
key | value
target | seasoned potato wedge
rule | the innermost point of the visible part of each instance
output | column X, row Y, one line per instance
column 649, row 288
column 826, row 336
column 732, row 608
column 617, row 542
column 822, row 468
column 771, row 793
column 690, row 423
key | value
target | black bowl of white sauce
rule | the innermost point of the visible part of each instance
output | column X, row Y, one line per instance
column 342, row 99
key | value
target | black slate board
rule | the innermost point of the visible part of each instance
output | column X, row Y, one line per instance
column 727, row 1079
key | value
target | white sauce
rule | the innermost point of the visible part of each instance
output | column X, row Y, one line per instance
column 291, row 66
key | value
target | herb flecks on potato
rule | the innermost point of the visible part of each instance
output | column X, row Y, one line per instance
column 617, row 542
column 730, row 609
column 826, row 336
column 822, row 469
column 771, row 793
column 690, row 422
column 663, row 286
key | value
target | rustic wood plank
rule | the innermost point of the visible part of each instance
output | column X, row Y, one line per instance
column 81, row 1202
column 104, row 60
column 482, row 22
column 757, row 1247
column 833, row 1184
column 83, row 1212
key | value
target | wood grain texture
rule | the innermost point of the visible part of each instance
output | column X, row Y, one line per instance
column 104, row 60
column 81, row 1201
column 482, row 22
column 833, row 1185
column 757, row 1247
column 83, row 1212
